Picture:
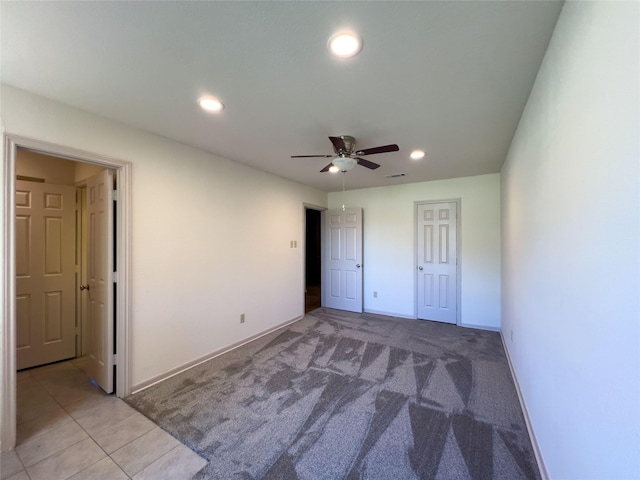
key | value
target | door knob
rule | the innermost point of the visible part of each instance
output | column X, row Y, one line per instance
column 420, row 267
column 357, row 265
column 84, row 287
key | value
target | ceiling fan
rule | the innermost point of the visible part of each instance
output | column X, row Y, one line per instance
column 346, row 156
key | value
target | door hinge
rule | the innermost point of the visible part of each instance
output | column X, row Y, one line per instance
column 115, row 358
column 114, row 276
column 115, row 195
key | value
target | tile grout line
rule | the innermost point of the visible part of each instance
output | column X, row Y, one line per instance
column 35, row 379
column 46, row 458
column 47, row 388
column 107, row 455
column 135, row 412
column 24, row 468
column 89, row 435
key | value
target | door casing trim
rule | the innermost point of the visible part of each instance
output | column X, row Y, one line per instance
column 8, row 403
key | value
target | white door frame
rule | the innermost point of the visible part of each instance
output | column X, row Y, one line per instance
column 7, row 266
column 305, row 207
column 458, row 203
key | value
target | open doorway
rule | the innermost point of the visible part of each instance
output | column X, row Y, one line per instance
column 118, row 281
column 313, row 261
column 51, row 258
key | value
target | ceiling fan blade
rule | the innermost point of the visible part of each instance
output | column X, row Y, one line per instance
column 312, row 156
column 338, row 144
column 366, row 163
column 326, row 169
column 383, row 149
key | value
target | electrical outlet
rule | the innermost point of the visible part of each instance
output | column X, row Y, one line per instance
column 375, row 294
column 242, row 318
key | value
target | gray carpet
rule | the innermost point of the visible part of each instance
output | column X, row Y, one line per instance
column 349, row 396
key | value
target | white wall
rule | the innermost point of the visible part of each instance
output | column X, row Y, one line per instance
column 390, row 242
column 211, row 238
column 570, row 195
column 82, row 171
column 51, row 169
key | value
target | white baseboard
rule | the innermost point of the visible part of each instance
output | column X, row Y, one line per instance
column 532, row 436
column 389, row 314
column 412, row 317
column 193, row 363
column 479, row 327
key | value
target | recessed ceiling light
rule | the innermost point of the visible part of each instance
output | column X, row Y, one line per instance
column 211, row 104
column 334, row 169
column 345, row 44
column 417, row 154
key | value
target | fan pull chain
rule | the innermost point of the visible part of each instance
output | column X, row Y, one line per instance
column 343, row 207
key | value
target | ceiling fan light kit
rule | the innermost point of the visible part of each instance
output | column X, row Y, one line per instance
column 345, row 157
column 344, row 164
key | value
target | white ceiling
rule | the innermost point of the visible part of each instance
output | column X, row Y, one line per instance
column 451, row 78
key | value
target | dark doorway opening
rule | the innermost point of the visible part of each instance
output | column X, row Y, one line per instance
column 313, row 269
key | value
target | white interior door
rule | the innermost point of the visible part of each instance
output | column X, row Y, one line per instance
column 100, row 279
column 45, row 273
column 82, row 302
column 437, row 262
column 342, row 287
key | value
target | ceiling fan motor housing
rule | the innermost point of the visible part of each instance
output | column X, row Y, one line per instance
column 349, row 144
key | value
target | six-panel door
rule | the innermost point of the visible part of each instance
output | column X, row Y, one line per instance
column 99, row 274
column 343, row 253
column 45, row 273
column 437, row 262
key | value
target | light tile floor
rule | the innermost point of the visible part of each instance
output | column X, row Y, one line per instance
column 70, row 429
